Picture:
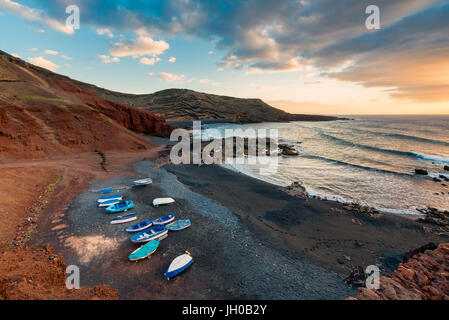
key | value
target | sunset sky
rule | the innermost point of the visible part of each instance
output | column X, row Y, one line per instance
column 302, row 56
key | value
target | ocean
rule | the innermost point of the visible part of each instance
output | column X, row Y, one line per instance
column 370, row 160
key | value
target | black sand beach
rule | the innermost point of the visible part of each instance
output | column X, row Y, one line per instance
column 249, row 239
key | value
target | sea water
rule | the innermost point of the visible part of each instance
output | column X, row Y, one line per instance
column 370, row 160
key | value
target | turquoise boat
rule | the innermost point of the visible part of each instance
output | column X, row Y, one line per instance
column 144, row 251
column 120, row 207
column 179, row 225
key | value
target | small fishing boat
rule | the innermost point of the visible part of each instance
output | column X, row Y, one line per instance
column 140, row 226
column 120, row 207
column 143, row 182
column 105, row 191
column 110, row 197
column 165, row 220
column 179, row 225
column 108, row 203
column 144, row 251
column 162, row 201
column 124, row 219
column 149, row 234
column 178, row 265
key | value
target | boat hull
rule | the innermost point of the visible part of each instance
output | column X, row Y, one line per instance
column 178, row 225
column 149, row 235
column 140, row 227
column 164, row 220
column 124, row 219
column 178, row 265
column 144, row 251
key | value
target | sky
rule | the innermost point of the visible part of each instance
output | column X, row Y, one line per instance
column 302, row 56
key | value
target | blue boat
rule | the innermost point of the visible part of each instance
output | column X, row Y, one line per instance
column 149, row 234
column 110, row 197
column 105, row 191
column 144, row 251
column 178, row 265
column 120, row 207
column 178, row 225
column 140, row 226
column 143, row 182
column 108, row 203
column 124, row 219
column 165, row 220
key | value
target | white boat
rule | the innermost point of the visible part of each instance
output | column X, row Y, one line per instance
column 110, row 197
column 124, row 219
column 143, row 182
column 162, row 201
column 108, row 203
column 178, row 265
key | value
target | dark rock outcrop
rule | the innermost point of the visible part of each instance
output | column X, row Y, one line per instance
column 422, row 172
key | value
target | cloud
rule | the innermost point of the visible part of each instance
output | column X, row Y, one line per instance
column 172, row 60
column 211, row 52
column 412, row 65
column 149, row 61
column 41, row 62
column 286, row 35
column 66, row 58
column 107, row 59
column 138, row 47
column 51, row 52
column 34, row 15
column 105, row 31
column 169, row 77
column 16, row 55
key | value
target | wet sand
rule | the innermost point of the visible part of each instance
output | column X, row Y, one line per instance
column 248, row 239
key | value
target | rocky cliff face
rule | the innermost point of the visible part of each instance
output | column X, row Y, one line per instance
column 425, row 276
column 43, row 114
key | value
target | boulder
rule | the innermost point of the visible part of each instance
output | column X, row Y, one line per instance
column 287, row 150
column 422, row 172
column 446, row 168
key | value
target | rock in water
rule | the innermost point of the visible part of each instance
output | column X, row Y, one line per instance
column 287, row 150
column 422, row 172
column 446, row 168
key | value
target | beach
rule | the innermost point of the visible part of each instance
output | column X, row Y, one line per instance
column 249, row 239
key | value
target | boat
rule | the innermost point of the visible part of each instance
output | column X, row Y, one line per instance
column 124, row 219
column 140, row 226
column 105, row 191
column 162, row 201
column 120, row 207
column 178, row 265
column 110, row 197
column 143, row 182
column 179, row 225
column 108, row 203
column 149, row 234
column 165, row 220
column 144, row 251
